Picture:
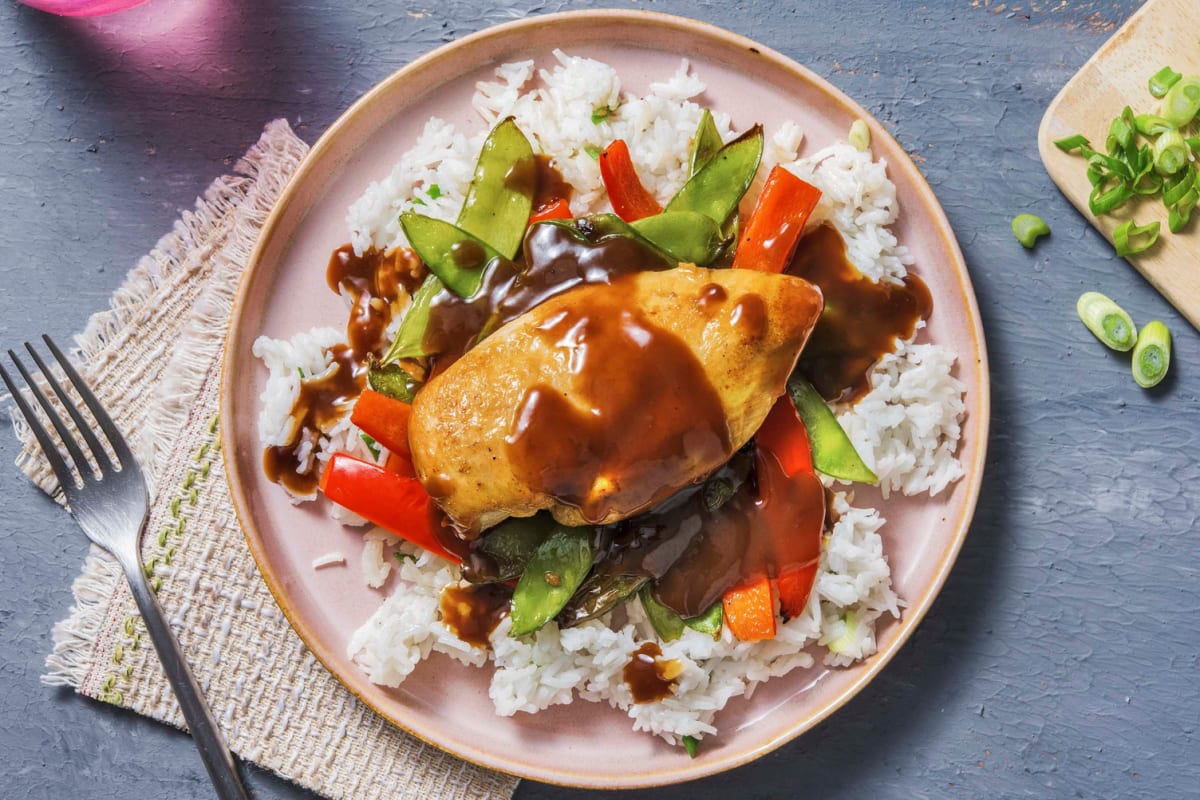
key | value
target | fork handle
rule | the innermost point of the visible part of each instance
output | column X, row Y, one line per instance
column 205, row 733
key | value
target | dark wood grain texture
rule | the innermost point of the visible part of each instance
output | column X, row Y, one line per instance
column 1061, row 658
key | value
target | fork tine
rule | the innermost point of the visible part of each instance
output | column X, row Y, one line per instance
column 124, row 455
column 81, row 424
column 65, row 479
column 64, row 433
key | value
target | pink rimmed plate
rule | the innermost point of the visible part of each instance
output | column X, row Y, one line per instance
column 284, row 291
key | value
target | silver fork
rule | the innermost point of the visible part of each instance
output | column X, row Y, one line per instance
column 112, row 504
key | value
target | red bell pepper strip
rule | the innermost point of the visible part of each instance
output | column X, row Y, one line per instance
column 391, row 501
column 384, row 419
column 750, row 611
column 784, row 438
column 558, row 209
column 628, row 196
column 795, row 585
column 400, row 464
column 773, row 230
column 784, row 434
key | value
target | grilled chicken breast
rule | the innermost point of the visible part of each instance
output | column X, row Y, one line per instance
column 605, row 400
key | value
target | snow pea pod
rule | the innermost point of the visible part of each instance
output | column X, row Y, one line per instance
column 409, row 338
column 832, row 452
column 686, row 236
column 598, row 595
column 510, row 546
column 392, row 380
column 669, row 625
column 555, row 571
column 717, row 188
column 501, row 193
column 451, row 253
column 705, row 144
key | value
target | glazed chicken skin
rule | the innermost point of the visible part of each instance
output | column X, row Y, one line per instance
column 605, row 400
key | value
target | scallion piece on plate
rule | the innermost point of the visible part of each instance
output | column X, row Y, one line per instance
column 1152, row 354
column 860, row 136
column 691, row 743
column 1107, row 320
column 1182, row 102
column 1162, row 81
column 1028, row 228
column 1131, row 239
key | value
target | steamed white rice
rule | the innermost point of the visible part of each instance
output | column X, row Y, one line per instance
column 907, row 427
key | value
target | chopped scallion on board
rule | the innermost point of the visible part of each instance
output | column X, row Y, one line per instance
column 860, row 136
column 1152, row 354
column 1028, row 228
column 1162, row 81
column 1107, row 320
column 1130, row 238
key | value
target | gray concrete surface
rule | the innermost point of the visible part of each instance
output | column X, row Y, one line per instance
column 1061, row 658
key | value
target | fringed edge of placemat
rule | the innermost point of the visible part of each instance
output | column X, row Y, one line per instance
column 196, row 237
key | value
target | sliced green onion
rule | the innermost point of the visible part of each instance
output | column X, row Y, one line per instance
column 1120, row 133
column 1162, row 81
column 1147, row 183
column 1072, row 143
column 600, row 114
column 1177, row 186
column 1193, row 142
column 842, row 643
column 1170, row 152
column 1102, row 201
column 860, row 136
column 1114, row 166
column 1131, row 239
column 1028, row 227
column 1152, row 354
column 1179, row 214
column 1182, row 102
column 1151, row 124
column 1107, row 320
column 592, row 151
column 691, row 743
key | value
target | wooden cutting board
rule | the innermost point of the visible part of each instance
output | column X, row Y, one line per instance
column 1162, row 33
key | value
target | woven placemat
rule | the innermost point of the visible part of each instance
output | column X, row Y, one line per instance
column 155, row 361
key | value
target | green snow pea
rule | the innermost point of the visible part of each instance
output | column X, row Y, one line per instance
column 512, row 544
column 717, row 188
column 451, row 253
column 598, row 595
column 501, row 193
column 705, row 144
column 833, row 454
column 669, row 625
column 392, row 380
column 409, row 341
column 687, row 236
column 555, row 571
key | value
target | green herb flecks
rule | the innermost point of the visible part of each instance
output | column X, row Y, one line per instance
column 372, row 446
